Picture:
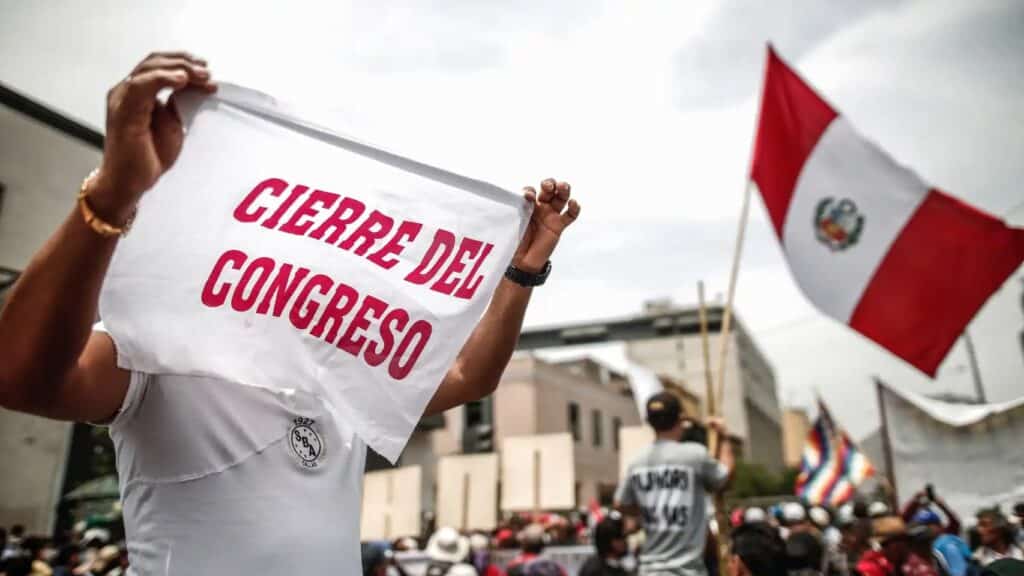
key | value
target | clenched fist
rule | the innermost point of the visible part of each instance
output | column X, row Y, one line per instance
column 553, row 212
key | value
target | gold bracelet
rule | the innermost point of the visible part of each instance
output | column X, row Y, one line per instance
column 97, row 224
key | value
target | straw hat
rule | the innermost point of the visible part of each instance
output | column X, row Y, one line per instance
column 888, row 527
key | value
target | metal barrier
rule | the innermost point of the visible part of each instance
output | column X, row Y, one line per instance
column 569, row 557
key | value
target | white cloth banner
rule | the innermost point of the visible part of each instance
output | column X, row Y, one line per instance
column 971, row 453
column 278, row 254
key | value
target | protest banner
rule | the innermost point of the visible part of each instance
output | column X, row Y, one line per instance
column 391, row 504
column 467, row 491
column 970, row 451
column 538, row 473
column 279, row 254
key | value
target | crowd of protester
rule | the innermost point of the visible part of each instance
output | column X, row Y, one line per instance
column 925, row 538
column 83, row 552
column 662, row 523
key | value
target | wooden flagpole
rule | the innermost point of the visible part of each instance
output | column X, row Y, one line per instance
column 723, row 352
column 709, row 387
column 713, row 440
column 723, row 345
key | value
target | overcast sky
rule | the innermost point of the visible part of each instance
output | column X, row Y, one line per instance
column 648, row 108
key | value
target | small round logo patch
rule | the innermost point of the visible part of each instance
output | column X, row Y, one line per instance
column 307, row 444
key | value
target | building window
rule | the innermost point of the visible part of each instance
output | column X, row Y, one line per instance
column 598, row 429
column 616, row 426
column 478, row 426
column 574, row 420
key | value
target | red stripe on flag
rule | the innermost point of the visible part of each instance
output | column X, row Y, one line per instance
column 946, row 262
column 793, row 118
column 806, row 472
column 836, row 461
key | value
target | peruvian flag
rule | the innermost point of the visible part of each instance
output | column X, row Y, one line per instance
column 870, row 243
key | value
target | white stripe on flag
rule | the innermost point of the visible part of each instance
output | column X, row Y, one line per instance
column 845, row 166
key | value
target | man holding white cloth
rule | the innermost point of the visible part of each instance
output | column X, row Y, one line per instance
column 215, row 478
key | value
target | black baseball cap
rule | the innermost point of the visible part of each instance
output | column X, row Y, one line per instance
column 663, row 411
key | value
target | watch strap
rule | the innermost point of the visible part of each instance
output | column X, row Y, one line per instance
column 527, row 279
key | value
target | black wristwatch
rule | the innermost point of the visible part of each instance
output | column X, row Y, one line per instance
column 526, row 279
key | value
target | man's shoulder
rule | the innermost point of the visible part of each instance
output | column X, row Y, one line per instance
column 695, row 448
column 661, row 453
column 685, row 451
column 950, row 542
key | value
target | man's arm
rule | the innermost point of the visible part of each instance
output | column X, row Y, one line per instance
column 952, row 520
column 723, row 456
column 51, row 364
column 912, row 506
column 479, row 365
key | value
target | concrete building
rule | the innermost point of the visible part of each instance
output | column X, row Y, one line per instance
column 750, row 407
column 581, row 397
column 795, row 426
column 43, row 159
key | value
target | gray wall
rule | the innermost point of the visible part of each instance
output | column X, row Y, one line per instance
column 41, row 170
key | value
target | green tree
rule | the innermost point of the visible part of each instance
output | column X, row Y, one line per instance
column 752, row 480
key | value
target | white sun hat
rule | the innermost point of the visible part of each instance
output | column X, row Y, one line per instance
column 447, row 545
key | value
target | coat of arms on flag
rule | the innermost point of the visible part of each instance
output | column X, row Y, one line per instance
column 832, row 465
column 838, row 223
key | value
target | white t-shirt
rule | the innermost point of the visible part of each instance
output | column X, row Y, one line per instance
column 219, row 479
column 985, row 555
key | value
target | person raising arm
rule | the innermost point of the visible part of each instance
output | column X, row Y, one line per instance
column 51, row 362
column 203, row 465
column 667, row 486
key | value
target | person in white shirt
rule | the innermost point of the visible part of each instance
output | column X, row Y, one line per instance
column 215, row 478
column 997, row 541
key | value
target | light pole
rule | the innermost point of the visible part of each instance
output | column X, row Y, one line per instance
column 979, row 391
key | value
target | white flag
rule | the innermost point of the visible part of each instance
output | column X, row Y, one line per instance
column 278, row 254
column 645, row 383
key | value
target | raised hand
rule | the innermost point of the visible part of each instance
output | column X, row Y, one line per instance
column 144, row 135
column 553, row 212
